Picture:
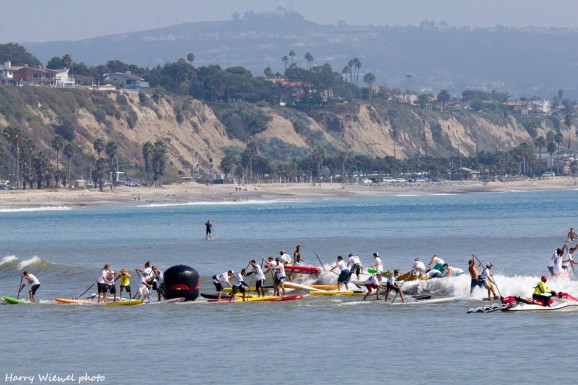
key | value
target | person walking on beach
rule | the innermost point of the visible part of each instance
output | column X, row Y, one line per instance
column 124, row 277
column 208, row 230
column 34, row 284
column 218, row 281
column 391, row 285
column 343, row 278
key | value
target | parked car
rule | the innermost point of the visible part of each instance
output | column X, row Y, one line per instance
column 549, row 174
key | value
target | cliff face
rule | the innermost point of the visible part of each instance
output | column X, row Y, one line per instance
column 191, row 130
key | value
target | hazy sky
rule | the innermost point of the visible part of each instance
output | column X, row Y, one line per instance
column 39, row 21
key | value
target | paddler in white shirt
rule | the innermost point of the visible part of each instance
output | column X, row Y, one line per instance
column 568, row 260
column 377, row 263
column 343, row 278
column 34, row 284
column 259, row 278
column 144, row 290
column 238, row 284
column 418, row 267
column 105, row 280
column 391, row 285
column 218, row 281
column 280, row 276
column 371, row 283
column 354, row 265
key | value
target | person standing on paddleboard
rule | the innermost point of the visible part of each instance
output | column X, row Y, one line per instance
column 486, row 280
column 558, row 253
column 124, row 277
column 105, row 278
column 568, row 260
column 218, row 281
column 391, row 285
column 473, row 273
column 343, row 278
column 418, row 267
column 377, row 264
column 208, row 230
column 280, row 276
column 34, row 285
column 239, row 284
column 259, row 278
column 572, row 235
column 354, row 265
column 159, row 283
column 371, row 283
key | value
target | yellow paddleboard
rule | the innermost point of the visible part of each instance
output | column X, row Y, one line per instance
column 130, row 302
column 348, row 292
column 324, row 287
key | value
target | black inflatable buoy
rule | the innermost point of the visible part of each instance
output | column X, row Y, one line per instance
column 181, row 281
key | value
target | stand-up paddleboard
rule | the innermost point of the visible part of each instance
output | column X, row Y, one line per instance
column 77, row 301
column 238, row 299
column 130, row 302
column 12, row 301
column 385, row 274
column 323, row 292
column 279, row 299
column 293, row 285
column 300, row 269
column 324, row 287
column 429, row 301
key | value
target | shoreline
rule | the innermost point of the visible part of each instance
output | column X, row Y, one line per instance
column 192, row 192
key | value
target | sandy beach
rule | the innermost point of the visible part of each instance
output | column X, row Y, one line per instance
column 195, row 192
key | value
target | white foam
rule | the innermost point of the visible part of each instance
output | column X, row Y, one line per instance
column 28, row 262
column 8, row 259
column 32, row 209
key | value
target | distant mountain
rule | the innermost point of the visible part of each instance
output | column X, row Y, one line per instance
column 430, row 57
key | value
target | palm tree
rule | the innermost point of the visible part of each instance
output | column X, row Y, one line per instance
column 444, row 97
column 68, row 153
column 540, row 142
column 318, row 154
column 343, row 157
column 568, row 121
column 551, row 150
column 351, row 65
column 14, row 136
column 147, row 153
column 57, row 145
column 292, row 54
column 98, row 146
column 110, row 150
column 369, row 78
column 98, row 174
column 160, row 156
column 345, row 71
column 190, row 58
column 285, row 59
column 357, row 65
column 558, row 139
column 309, row 59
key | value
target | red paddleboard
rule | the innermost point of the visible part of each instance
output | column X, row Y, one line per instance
column 301, row 269
column 290, row 298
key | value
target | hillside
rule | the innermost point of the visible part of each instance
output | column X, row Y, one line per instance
column 192, row 129
column 519, row 61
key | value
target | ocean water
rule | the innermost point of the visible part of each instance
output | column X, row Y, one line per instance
column 316, row 340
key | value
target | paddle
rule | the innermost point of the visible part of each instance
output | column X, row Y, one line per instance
column 319, row 259
column 19, row 288
column 139, row 277
column 84, row 292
